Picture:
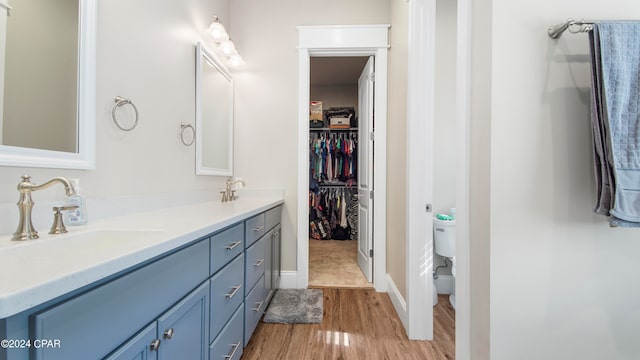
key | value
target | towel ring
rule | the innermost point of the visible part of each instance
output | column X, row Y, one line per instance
column 183, row 127
column 120, row 101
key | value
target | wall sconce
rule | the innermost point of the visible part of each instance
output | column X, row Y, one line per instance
column 225, row 46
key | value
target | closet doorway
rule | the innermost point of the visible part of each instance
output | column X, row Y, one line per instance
column 340, row 168
column 341, row 41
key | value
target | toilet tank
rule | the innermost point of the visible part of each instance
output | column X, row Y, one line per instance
column 444, row 237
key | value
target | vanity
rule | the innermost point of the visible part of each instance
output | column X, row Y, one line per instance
column 188, row 282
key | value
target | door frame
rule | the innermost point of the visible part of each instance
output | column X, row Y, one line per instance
column 422, row 20
column 344, row 40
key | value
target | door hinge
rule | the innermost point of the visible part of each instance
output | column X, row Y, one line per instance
column 373, row 77
column 370, row 252
column 371, row 194
column 372, row 136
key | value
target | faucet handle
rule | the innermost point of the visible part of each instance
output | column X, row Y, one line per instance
column 58, row 225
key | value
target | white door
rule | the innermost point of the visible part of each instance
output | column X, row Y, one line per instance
column 365, row 170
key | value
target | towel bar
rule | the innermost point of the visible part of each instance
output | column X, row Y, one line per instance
column 574, row 27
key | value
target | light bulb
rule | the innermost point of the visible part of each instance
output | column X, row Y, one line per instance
column 218, row 32
column 227, row 48
column 236, row 61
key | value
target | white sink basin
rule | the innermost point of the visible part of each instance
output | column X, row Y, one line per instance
column 73, row 245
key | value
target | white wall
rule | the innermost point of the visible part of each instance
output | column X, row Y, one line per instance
column 444, row 171
column 444, row 127
column 266, row 91
column 397, row 147
column 145, row 52
column 562, row 281
column 335, row 95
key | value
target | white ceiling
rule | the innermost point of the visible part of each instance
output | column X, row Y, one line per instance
column 336, row 70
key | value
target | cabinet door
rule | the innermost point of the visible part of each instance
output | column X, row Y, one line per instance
column 268, row 264
column 228, row 345
column 254, row 229
column 183, row 329
column 276, row 270
column 254, row 264
column 227, row 292
column 143, row 346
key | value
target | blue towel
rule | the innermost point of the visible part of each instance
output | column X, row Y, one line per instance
column 615, row 48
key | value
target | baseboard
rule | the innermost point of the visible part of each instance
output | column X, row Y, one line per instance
column 445, row 284
column 289, row 280
column 398, row 302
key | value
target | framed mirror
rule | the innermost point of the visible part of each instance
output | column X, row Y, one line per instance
column 214, row 115
column 48, row 83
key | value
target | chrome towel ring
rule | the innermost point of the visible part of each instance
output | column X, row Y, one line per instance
column 183, row 127
column 120, row 101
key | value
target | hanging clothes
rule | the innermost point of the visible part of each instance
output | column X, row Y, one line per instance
column 332, row 214
column 333, row 157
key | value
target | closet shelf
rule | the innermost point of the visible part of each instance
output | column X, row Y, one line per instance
column 330, row 129
column 337, row 186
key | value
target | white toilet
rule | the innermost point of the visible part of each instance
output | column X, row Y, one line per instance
column 444, row 240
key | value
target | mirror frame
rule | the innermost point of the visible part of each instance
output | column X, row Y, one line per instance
column 85, row 156
column 202, row 54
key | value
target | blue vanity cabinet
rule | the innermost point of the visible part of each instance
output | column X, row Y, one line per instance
column 273, row 255
column 228, row 345
column 254, row 306
column 255, row 227
column 225, row 246
column 201, row 300
column 180, row 333
column 102, row 319
column 276, row 259
column 184, row 329
column 227, row 293
column 139, row 347
column 255, row 264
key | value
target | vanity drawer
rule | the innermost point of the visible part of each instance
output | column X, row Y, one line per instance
column 228, row 345
column 255, row 264
column 94, row 323
column 226, row 294
column 225, row 246
column 254, row 306
column 272, row 217
column 254, row 229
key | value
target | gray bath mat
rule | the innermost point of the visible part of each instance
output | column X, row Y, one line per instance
column 295, row 306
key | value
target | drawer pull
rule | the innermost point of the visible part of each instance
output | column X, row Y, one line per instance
column 233, row 292
column 259, row 263
column 155, row 345
column 168, row 334
column 259, row 228
column 232, row 352
column 233, row 245
column 259, row 303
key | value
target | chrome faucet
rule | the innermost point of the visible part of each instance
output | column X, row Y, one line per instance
column 25, row 204
column 228, row 194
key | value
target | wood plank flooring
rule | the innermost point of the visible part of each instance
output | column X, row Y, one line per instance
column 357, row 324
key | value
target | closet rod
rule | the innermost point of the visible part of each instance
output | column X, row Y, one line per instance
column 574, row 27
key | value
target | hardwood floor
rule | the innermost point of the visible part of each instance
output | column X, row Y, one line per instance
column 357, row 324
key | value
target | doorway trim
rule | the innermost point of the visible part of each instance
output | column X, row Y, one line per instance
column 344, row 40
column 419, row 192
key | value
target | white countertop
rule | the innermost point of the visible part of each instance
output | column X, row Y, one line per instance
column 36, row 271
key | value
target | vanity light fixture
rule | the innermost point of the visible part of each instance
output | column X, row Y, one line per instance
column 225, row 46
column 217, row 31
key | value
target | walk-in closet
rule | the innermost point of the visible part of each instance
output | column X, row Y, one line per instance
column 333, row 172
